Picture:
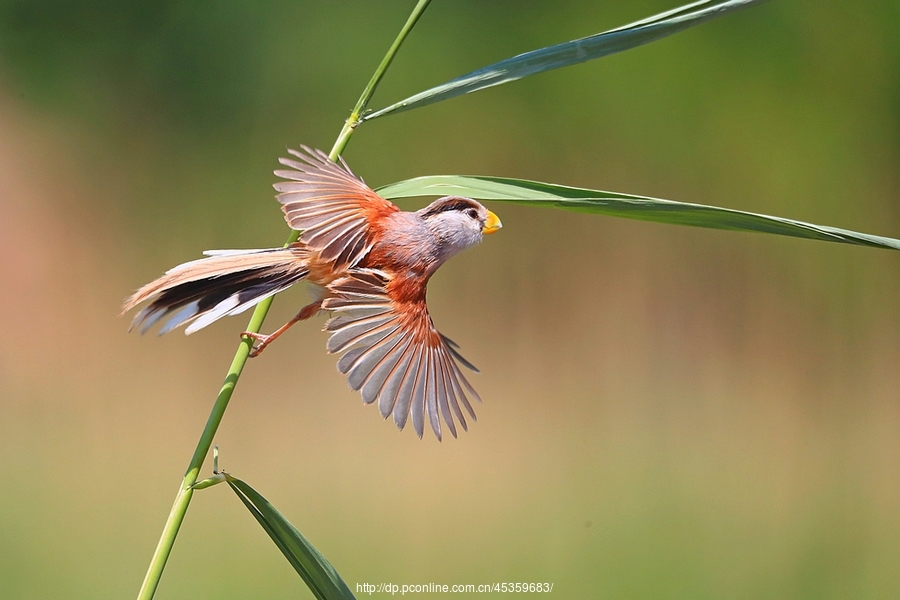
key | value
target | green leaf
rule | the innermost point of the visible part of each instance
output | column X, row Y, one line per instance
column 314, row 568
column 628, row 206
column 571, row 53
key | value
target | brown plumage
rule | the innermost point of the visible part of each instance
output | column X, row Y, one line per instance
column 372, row 261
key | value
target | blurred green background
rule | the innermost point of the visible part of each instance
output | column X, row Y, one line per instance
column 669, row 412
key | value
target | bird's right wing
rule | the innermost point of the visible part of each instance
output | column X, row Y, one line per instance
column 337, row 212
column 394, row 354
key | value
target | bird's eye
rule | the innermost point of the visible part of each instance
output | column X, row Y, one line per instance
column 472, row 213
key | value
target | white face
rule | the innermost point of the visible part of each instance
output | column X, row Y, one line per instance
column 455, row 231
column 456, row 224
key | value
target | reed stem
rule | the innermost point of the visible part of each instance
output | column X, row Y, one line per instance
column 185, row 491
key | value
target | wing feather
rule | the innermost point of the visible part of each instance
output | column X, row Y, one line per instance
column 451, row 395
column 443, row 395
column 461, row 394
column 377, row 378
column 387, row 399
column 393, row 353
column 431, row 399
column 417, row 406
column 368, row 361
column 405, row 393
column 333, row 208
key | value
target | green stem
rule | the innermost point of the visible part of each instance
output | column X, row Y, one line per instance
column 186, row 491
column 360, row 108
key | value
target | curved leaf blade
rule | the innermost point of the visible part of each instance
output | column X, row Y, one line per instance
column 314, row 568
column 628, row 206
column 570, row 53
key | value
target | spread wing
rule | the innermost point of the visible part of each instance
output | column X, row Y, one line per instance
column 394, row 354
column 337, row 212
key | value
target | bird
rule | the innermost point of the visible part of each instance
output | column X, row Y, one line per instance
column 368, row 263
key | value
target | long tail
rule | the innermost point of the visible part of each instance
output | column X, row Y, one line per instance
column 226, row 283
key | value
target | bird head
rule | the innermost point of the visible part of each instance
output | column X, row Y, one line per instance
column 457, row 223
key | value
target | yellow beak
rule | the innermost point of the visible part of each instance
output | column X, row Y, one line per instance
column 491, row 224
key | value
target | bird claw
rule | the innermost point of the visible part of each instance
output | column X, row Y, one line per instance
column 263, row 340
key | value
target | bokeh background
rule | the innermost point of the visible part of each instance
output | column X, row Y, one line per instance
column 669, row 412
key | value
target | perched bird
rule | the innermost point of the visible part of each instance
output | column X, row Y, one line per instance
column 370, row 263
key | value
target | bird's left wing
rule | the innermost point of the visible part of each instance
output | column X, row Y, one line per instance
column 337, row 212
column 394, row 354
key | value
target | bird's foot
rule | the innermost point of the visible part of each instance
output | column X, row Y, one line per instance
column 263, row 341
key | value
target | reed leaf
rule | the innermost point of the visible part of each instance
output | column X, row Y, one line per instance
column 628, row 206
column 570, row 53
column 316, row 571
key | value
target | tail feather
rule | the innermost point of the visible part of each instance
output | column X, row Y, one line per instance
column 228, row 282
